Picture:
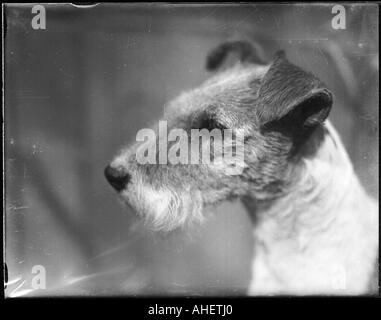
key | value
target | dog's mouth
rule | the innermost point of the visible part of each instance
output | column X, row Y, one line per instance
column 126, row 204
column 161, row 209
column 129, row 201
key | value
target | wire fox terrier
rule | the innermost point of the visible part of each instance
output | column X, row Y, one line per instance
column 315, row 229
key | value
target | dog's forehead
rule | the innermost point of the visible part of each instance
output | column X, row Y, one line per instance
column 228, row 87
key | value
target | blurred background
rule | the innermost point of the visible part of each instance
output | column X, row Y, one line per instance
column 80, row 89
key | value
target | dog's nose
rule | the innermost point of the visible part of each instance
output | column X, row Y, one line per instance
column 117, row 178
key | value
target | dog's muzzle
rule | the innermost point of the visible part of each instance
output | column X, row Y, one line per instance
column 117, row 178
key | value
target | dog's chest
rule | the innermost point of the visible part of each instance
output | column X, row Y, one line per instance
column 336, row 258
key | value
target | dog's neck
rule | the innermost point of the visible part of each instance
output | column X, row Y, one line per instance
column 317, row 185
column 304, row 238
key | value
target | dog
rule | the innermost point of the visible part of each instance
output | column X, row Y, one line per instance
column 315, row 230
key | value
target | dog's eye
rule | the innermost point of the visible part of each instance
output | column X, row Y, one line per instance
column 211, row 124
column 208, row 122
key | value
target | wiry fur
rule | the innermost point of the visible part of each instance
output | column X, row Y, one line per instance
column 321, row 237
column 312, row 221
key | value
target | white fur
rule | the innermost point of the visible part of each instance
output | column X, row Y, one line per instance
column 163, row 209
column 322, row 238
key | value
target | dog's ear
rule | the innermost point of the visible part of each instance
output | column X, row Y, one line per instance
column 247, row 52
column 290, row 99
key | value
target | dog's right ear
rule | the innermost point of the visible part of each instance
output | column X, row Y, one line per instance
column 291, row 100
column 247, row 52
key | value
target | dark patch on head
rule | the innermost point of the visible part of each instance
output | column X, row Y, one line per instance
column 316, row 138
column 292, row 101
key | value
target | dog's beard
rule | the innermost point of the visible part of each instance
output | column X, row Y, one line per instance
column 164, row 209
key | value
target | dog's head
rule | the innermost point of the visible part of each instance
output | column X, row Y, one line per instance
column 273, row 108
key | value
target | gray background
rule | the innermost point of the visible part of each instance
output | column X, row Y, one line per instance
column 77, row 91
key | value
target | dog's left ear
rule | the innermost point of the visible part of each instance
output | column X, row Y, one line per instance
column 291, row 100
column 248, row 52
